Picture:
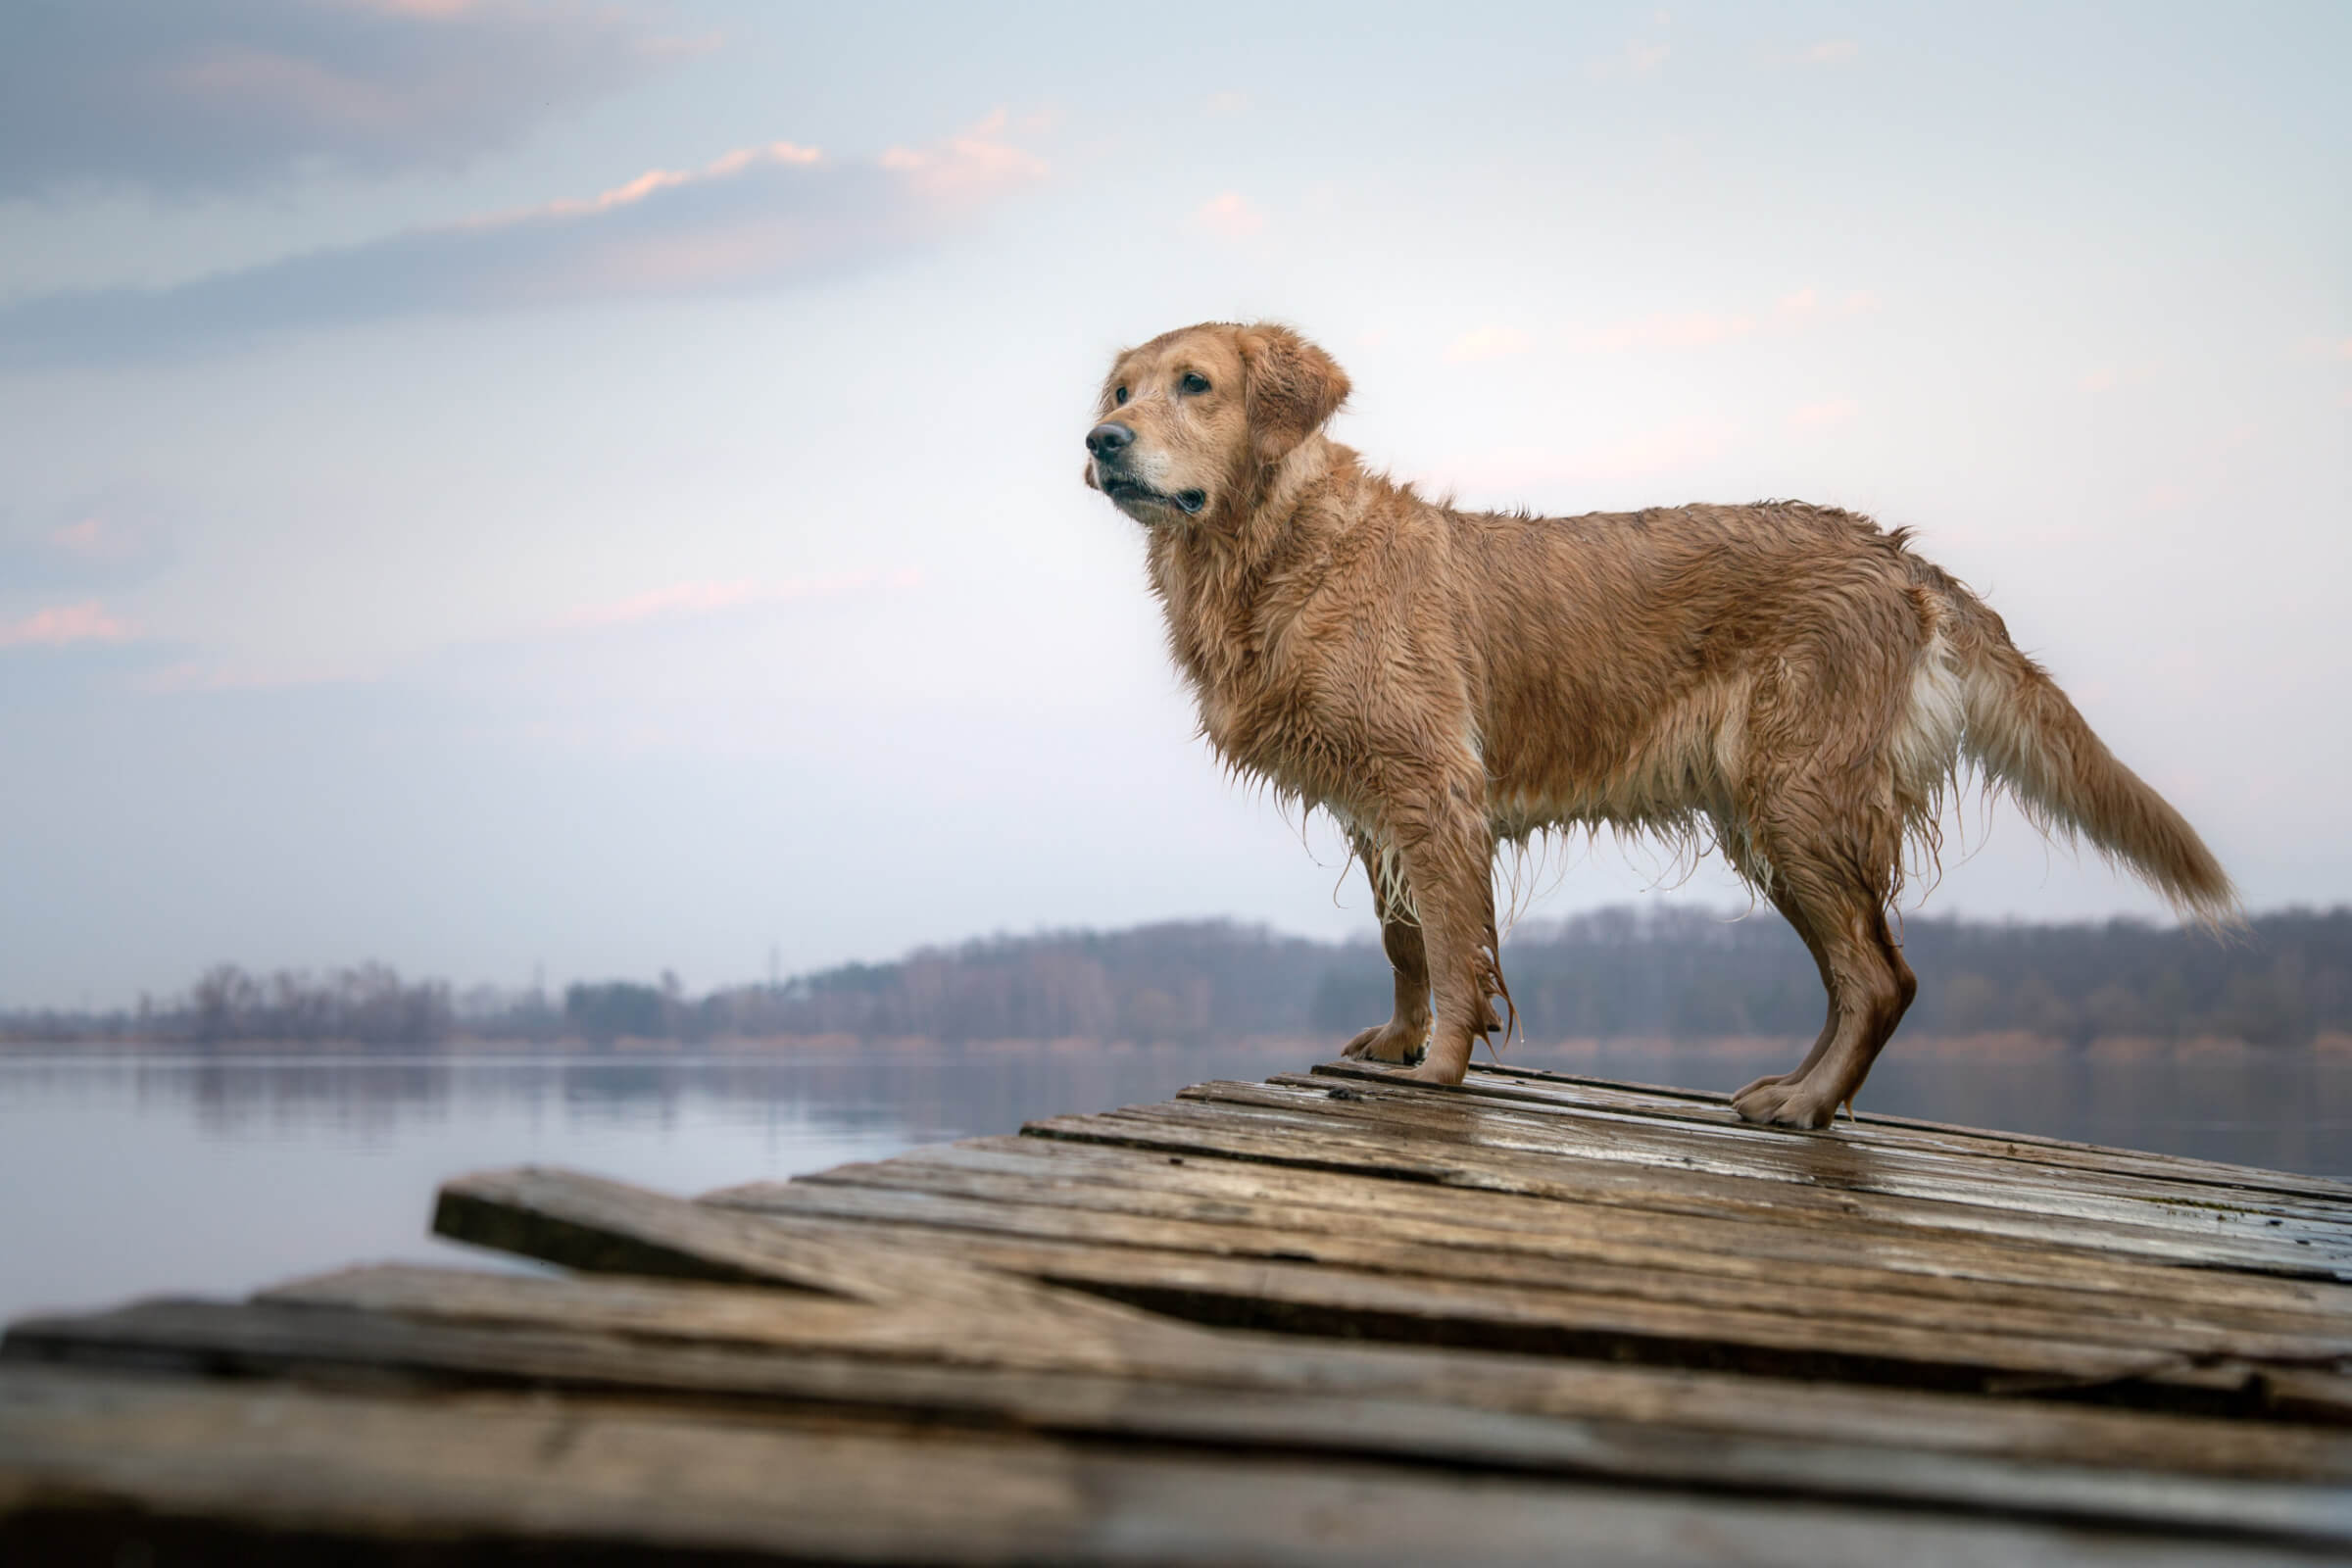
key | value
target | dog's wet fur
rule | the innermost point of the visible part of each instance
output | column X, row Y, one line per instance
column 1789, row 683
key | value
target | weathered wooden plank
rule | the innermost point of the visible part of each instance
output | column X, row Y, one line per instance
column 1206, row 1188
column 105, row 1454
column 2006, row 1166
column 718, row 1314
column 2031, row 1147
column 587, row 1222
column 2226, row 1233
column 1239, row 1197
column 1312, row 1299
column 1351, row 1303
column 1815, row 1292
column 1502, row 1164
column 650, row 1312
column 314, row 1342
column 1327, row 1300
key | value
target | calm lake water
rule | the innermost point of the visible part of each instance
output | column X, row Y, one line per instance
column 130, row 1174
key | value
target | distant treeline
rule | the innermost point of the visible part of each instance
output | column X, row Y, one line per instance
column 370, row 1006
column 1666, row 974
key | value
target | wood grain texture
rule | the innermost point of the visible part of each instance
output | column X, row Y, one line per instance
column 1907, row 1131
column 1739, row 1237
column 1326, row 1318
column 119, row 1451
column 1486, row 1153
column 434, row 1325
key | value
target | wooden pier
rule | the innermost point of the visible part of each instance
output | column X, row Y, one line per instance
column 1329, row 1319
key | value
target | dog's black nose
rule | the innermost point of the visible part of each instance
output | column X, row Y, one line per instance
column 1109, row 440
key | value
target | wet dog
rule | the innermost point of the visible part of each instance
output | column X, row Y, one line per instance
column 1789, row 683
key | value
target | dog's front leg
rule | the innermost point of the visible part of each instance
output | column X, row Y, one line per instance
column 1399, row 1041
column 1449, row 856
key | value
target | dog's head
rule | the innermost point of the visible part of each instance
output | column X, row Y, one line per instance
column 1189, row 425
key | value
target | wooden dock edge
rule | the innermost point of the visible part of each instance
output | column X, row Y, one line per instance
column 1326, row 1318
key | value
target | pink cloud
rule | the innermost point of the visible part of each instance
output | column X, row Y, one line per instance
column 1829, row 52
column 630, row 192
column 2105, row 377
column 969, row 168
column 1691, row 330
column 91, row 538
column 261, row 82
column 1805, row 307
column 1229, row 216
column 427, row 9
column 1824, row 415
column 684, row 600
column 1640, row 455
column 757, row 217
column 60, row 625
column 1639, row 58
column 1487, row 343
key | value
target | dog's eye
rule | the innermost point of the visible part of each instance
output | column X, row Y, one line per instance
column 1120, row 396
column 1194, row 384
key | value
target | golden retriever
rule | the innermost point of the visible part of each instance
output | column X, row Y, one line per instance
column 1786, row 682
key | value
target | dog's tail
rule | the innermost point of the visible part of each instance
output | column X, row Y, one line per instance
column 2022, row 729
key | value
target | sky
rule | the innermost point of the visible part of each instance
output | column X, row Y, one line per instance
column 518, row 489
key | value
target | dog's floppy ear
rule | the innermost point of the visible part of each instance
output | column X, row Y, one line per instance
column 1289, row 388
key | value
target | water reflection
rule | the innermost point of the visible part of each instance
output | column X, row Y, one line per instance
column 142, row 1173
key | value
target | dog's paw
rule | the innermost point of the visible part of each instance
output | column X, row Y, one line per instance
column 1783, row 1103
column 1387, row 1043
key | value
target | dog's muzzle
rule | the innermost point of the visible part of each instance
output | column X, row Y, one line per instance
column 1108, row 443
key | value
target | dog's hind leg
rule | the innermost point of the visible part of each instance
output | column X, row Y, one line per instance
column 1795, row 913
column 1402, row 1038
column 1841, row 908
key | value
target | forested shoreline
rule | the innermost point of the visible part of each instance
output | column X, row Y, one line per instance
column 1669, row 973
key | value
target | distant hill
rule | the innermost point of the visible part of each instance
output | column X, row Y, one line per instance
column 1667, row 973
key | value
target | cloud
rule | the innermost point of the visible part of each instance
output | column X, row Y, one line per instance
column 757, row 217
column 685, row 600
column 1639, row 58
column 211, row 95
column 1688, row 330
column 1699, row 329
column 2107, row 377
column 1640, row 455
column 1822, row 416
column 1229, row 216
column 1487, row 343
column 1806, row 306
column 554, row 645
column 99, row 544
column 62, row 625
column 1829, row 52
column 90, row 538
